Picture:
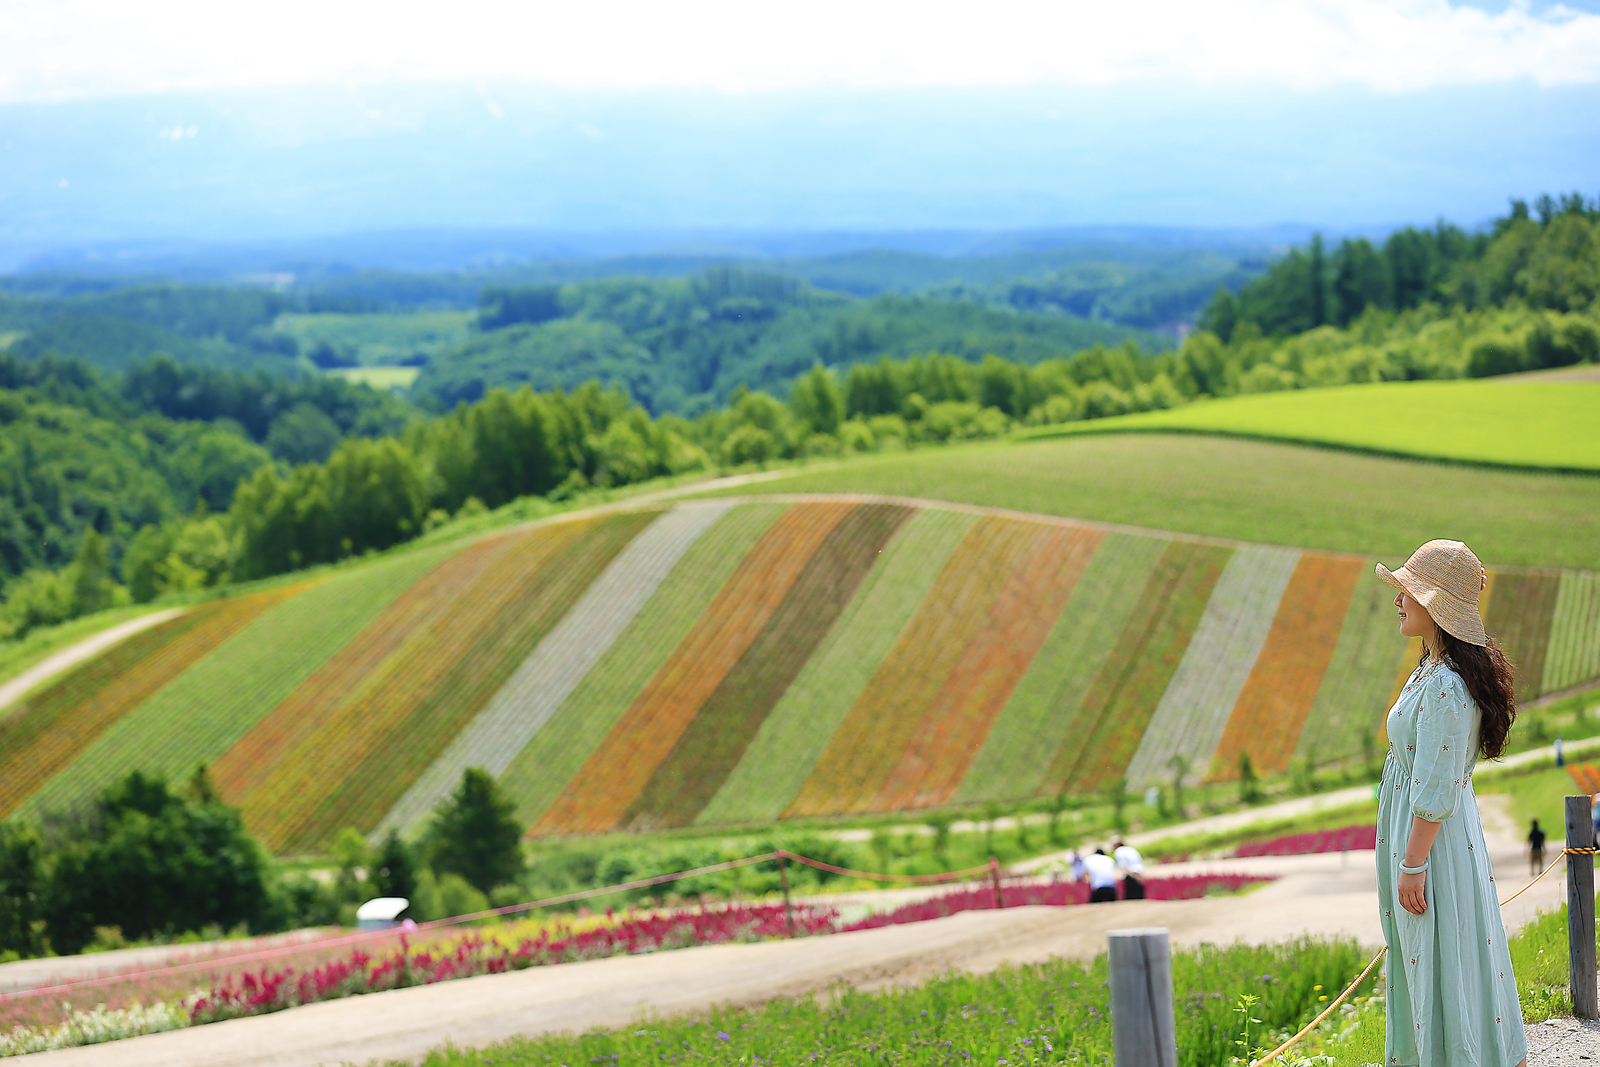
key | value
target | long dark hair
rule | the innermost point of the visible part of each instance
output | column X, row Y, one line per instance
column 1491, row 682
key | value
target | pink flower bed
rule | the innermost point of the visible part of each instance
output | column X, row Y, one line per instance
column 267, row 990
column 1055, row 893
column 1344, row 839
column 327, row 973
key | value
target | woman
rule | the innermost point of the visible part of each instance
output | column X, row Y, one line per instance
column 1452, row 999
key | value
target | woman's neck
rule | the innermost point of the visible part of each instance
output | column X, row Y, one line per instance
column 1434, row 644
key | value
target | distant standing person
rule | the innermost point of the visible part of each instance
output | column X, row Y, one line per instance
column 1131, row 864
column 1452, row 998
column 1101, row 871
column 1536, row 850
column 1561, row 758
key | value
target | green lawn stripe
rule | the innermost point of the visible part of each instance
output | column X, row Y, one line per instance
column 1136, row 674
column 198, row 715
column 721, row 731
column 546, row 591
column 47, row 731
column 1574, row 656
column 542, row 769
column 1042, row 710
column 793, row 736
column 1353, row 698
column 1519, row 616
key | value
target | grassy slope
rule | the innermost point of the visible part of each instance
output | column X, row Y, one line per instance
column 1043, row 709
column 205, row 710
column 1247, row 490
column 62, row 719
column 792, row 738
column 1522, row 424
column 542, row 770
column 1351, row 701
column 870, row 740
column 619, row 769
column 721, row 731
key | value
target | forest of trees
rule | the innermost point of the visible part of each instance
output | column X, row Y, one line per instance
column 170, row 477
column 1545, row 258
column 683, row 345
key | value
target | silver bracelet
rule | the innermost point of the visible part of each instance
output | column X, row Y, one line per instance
column 1413, row 870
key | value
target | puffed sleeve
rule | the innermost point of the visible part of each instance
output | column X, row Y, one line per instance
column 1444, row 722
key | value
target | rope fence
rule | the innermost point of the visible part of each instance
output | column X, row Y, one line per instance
column 990, row 869
column 779, row 855
column 1351, row 988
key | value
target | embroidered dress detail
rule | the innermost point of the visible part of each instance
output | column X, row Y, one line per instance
column 1454, row 985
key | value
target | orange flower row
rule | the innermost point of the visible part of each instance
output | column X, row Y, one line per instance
column 880, row 725
column 1272, row 708
column 721, row 731
column 958, row 720
column 614, row 775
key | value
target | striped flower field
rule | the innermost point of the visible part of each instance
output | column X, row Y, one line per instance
column 724, row 663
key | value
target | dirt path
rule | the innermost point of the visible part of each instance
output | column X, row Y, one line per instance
column 74, row 654
column 1328, row 894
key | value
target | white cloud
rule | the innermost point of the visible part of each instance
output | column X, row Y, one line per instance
column 63, row 48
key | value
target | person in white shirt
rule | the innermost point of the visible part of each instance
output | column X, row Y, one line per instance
column 1131, row 864
column 1101, row 871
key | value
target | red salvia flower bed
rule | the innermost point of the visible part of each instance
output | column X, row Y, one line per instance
column 1344, row 839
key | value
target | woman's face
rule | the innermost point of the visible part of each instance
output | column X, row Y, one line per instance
column 1414, row 618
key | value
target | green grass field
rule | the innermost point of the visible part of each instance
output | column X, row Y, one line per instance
column 379, row 340
column 1248, row 490
column 1519, row 423
column 379, row 377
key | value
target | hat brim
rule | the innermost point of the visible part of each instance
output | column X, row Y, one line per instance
column 1459, row 619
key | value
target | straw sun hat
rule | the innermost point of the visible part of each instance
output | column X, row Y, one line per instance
column 1446, row 578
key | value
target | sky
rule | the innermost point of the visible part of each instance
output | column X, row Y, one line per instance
column 56, row 49
column 178, row 120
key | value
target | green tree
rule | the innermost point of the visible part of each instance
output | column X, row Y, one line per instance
column 22, row 883
column 351, row 853
column 303, row 434
column 394, row 870
column 1179, row 765
column 1360, row 280
column 475, row 834
column 817, row 401
column 1249, row 787
column 151, row 861
column 90, row 574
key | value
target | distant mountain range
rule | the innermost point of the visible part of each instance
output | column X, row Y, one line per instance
column 431, row 177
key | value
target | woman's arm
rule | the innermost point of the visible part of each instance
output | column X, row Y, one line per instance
column 1412, row 887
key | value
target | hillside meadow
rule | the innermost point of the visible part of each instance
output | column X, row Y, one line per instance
column 1248, row 490
column 1514, row 422
column 722, row 663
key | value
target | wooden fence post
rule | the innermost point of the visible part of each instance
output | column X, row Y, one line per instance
column 1141, row 998
column 1580, row 910
column 994, row 878
column 783, row 878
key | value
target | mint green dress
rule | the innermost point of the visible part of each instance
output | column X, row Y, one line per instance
column 1452, row 999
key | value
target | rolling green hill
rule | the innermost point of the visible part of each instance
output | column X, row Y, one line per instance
column 1514, row 422
column 722, row 662
column 1219, row 486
